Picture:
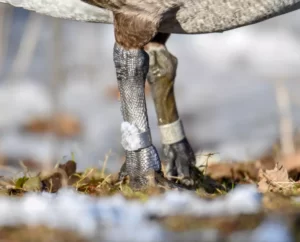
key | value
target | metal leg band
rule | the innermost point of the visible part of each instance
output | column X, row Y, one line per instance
column 172, row 133
column 133, row 139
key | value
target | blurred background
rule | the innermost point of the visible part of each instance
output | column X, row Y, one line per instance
column 59, row 98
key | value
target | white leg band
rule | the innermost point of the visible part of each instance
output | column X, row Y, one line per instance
column 133, row 139
column 172, row 133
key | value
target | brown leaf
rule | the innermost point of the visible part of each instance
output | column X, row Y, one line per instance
column 69, row 167
column 62, row 125
column 53, row 183
column 267, row 162
column 292, row 162
column 275, row 180
column 234, row 170
column 66, row 125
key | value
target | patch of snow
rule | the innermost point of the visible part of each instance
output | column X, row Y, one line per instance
column 22, row 100
column 272, row 229
column 85, row 214
column 207, row 235
column 244, row 199
column 243, row 47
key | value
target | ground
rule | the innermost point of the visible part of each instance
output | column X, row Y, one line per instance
column 277, row 190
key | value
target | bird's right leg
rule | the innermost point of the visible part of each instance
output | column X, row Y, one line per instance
column 142, row 160
column 142, row 164
column 178, row 154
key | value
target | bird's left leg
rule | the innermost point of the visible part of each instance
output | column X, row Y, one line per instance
column 177, row 152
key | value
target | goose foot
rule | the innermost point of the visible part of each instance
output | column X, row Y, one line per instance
column 180, row 160
column 140, row 166
column 147, row 173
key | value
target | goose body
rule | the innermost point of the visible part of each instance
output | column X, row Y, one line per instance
column 174, row 16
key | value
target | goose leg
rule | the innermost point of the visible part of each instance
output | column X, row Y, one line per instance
column 142, row 160
column 177, row 151
column 132, row 32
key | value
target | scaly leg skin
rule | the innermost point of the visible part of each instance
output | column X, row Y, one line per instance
column 142, row 163
column 178, row 154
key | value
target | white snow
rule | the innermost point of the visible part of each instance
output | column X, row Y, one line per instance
column 71, row 210
column 22, row 100
column 117, row 219
column 272, row 229
column 242, row 200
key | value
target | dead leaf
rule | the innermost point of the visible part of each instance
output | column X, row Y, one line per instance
column 63, row 125
column 33, row 184
column 20, row 182
column 267, row 162
column 3, row 160
column 233, row 171
column 53, row 183
column 275, row 180
column 31, row 164
column 69, row 167
column 292, row 164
